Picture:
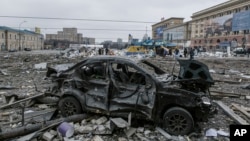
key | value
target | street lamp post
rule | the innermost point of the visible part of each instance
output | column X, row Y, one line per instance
column 20, row 34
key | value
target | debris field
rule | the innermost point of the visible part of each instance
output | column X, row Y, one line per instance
column 26, row 115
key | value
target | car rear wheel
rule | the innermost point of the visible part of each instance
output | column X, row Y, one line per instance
column 178, row 121
column 69, row 106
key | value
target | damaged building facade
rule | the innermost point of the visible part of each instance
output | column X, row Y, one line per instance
column 222, row 25
column 225, row 24
column 13, row 39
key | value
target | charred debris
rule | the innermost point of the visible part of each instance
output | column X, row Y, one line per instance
column 108, row 97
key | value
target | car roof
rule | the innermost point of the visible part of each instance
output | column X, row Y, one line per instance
column 110, row 57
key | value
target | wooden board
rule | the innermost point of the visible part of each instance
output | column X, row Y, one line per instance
column 231, row 113
column 241, row 110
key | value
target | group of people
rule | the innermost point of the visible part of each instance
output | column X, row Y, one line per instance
column 176, row 52
column 103, row 51
column 191, row 53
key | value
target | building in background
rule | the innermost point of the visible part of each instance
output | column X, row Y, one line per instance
column 119, row 40
column 158, row 28
column 68, row 34
column 179, row 34
column 223, row 25
column 66, row 37
column 88, row 40
column 13, row 39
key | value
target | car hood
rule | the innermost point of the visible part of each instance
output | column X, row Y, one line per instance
column 58, row 68
column 189, row 69
column 195, row 70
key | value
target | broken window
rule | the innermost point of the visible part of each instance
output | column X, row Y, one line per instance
column 136, row 76
column 120, row 72
column 94, row 70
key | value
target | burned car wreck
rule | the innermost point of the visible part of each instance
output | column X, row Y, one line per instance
column 117, row 86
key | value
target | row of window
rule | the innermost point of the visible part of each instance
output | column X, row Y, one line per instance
column 224, row 33
column 23, row 37
column 237, row 10
column 218, row 40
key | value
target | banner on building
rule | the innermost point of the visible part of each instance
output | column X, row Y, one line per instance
column 159, row 32
column 241, row 21
column 218, row 25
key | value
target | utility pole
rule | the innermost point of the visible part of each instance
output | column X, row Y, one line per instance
column 20, row 34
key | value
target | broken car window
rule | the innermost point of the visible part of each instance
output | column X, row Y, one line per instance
column 120, row 72
column 94, row 70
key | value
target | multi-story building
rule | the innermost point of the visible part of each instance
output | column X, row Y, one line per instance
column 179, row 34
column 157, row 29
column 13, row 39
column 88, row 40
column 223, row 25
column 71, row 35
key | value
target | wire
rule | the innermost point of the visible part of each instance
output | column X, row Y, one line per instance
column 108, row 29
column 97, row 20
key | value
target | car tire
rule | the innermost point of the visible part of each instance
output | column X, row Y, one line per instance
column 178, row 121
column 69, row 106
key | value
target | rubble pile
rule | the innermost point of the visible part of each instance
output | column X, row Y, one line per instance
column 23, row 84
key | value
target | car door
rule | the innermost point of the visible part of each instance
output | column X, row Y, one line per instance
column 135, row 92
column 97, row 85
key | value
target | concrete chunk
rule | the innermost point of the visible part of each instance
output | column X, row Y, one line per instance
column 96, row 138
column 53, row 132
column 101, row 128
column 48, row 136
column 85, row 129
column 129, row 132
column 140, row 129
column 122, row 139
column 101, row 120
column 41, row 66
column 119, row 122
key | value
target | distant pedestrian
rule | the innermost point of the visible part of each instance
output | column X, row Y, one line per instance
column 99, row 51
column 176, row 53
column 170, row 52
column 191, row 53
column 107, row 51
column 185, row 52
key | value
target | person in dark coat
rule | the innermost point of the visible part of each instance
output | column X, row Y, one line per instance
column 191, row 54
column 170, row 52
column 185, row 52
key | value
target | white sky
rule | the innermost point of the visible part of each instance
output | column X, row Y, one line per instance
column 118, row 10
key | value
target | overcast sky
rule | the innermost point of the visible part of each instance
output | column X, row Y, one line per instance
column 145, row 12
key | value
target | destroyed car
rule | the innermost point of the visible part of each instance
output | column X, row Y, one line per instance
column 117, row 86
